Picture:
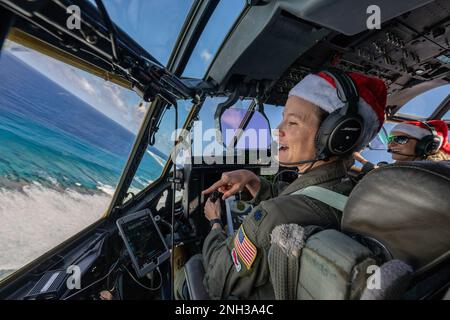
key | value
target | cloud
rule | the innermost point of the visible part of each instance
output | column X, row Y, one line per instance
column 116, row 103
column 84, row 83
column 206, row 55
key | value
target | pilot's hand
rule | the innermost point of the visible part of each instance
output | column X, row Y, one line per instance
column 212, row 210
column 235, row 181
column 358, row 157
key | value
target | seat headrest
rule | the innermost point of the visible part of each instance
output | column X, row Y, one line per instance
column 406, row 207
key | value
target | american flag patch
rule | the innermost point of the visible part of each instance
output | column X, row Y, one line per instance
column 245, row 248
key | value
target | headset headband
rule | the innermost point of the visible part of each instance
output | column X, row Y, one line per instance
column 430, row 127
column 346, row 90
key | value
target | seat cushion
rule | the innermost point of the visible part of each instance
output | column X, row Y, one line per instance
column 406, row 207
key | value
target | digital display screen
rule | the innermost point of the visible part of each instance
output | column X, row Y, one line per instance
column 144, row 240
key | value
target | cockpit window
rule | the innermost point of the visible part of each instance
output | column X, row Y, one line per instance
column 378, row 153
column 446, row 116
column 153, row 24
column 65, row 136
column 212, row 37
column 205, row 132
column 424, row 105
column 159, row 151
column 245, row 128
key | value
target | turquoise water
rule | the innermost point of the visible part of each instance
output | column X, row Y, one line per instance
column 50, row 137
column 51, row 157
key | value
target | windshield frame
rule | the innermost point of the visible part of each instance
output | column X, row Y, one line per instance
column 134, row 159
column 196, row 20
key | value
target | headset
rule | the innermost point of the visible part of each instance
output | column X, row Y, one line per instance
column 428, row 145
column 342, row 130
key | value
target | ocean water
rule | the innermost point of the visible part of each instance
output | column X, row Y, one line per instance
column 60, row 160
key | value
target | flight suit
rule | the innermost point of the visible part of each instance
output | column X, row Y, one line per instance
column 237, row 266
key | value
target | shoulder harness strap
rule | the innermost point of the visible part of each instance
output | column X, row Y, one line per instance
column 331, row 198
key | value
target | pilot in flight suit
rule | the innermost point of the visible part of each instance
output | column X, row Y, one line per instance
column 237, row 266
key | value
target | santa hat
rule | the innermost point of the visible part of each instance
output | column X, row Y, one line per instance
column 418, row 130
column 320, row 89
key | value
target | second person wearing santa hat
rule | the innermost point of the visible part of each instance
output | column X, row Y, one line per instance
column 417, row 140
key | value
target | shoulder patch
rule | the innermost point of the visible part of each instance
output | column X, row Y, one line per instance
column 245, row 249
column 235, row 259
column 258, row 215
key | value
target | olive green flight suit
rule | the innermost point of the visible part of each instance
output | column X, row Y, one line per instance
column 234, row 271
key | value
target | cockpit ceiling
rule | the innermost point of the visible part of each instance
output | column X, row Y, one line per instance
column 410, row 53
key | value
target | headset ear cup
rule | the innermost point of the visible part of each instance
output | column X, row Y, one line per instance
column 430, row 144
column 339, row 134
column 322, row 137
column 347, row 135
column 341, row 131
column 426, row 146
column 419, row 151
